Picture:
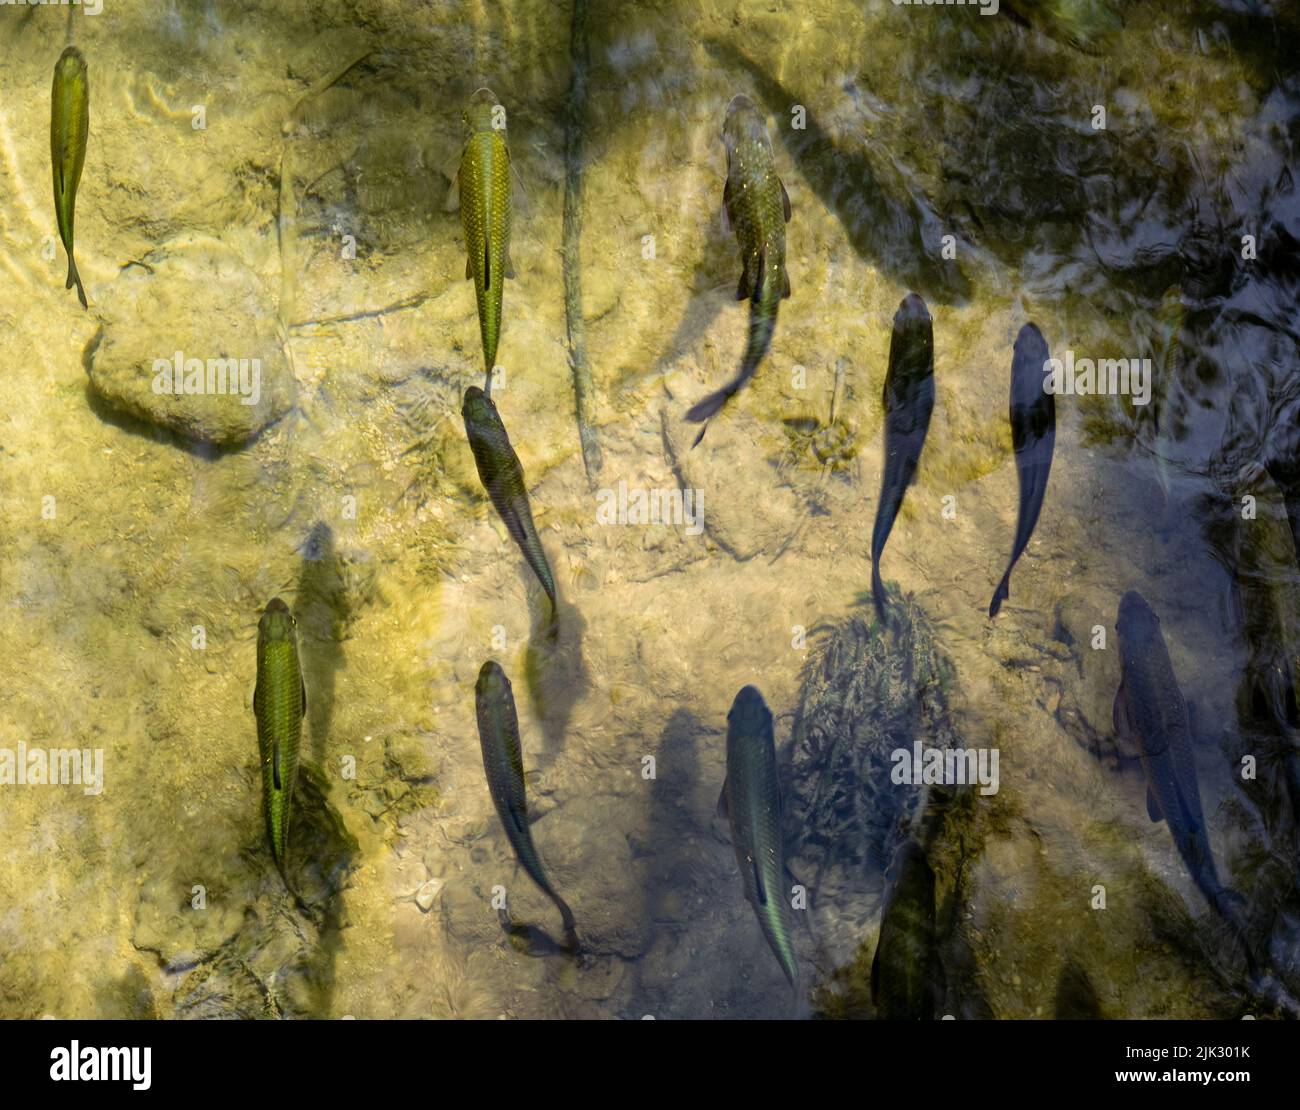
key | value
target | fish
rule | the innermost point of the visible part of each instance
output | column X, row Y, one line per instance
column 503, row 763
column 1033, row 434
column 69, row 130
column 907, row 979
column 279, row 705
column 1151, row 712
column 887, row 218
column 908, row 401
column 757, row 208
column 502, row 476
column 484, row 180
column 751, row 803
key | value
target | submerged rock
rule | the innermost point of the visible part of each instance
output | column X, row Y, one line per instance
column 191, row 342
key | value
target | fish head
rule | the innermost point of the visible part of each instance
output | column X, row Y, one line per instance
column 277, row 622
column 492, row 683
column 477, row 407
column 913, row 336
column 1031, row 347
column 749, row 713
column 480, row 112
column 71, row 63
column 1136, row 619
column 743, row 122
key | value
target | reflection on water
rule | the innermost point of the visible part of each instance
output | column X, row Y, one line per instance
column 1119, row 175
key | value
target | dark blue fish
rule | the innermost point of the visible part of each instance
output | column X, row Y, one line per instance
column 1151, row 712
column 1033, row 433
column 503, row 763
column 909, row 401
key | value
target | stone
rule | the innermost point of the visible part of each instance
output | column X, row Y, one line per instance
column 191, row 342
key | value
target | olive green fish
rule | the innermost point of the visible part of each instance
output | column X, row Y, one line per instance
column 751, row 801
column 502, row 476
column 907, row 980
column 758, row 208
column 69, row 129
column 503, row 762
column 279, row 704
column 485, row 213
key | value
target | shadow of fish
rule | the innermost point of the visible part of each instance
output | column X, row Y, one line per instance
column 502, row 476
column 484, row 180
column 909, row 401
column 751, row 803
column 907, row 978
column 69, row 130
column 758, row 208
column 888, row 226
column 1151, row 713
column 503, row 763
column 1033, row 434
column 1075, row 998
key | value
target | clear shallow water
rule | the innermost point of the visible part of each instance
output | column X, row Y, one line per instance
column 360, row 504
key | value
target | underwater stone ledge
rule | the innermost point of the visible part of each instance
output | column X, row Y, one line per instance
column 200, row 311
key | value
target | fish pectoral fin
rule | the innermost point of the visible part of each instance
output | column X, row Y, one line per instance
column 1119, row 712
column 510, row 268
column 469, row 269
column 452, row 201
column 724, row 809
column 257, row 698
column 785, row 283
column 726, row 204
column 1153, row 807
column 785, row 200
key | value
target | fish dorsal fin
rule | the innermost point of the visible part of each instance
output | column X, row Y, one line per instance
column 1153, row 807
column 257, row 696
column 785, row 283
column 469, row 269
column 487, row 265
column 785, row 200
column 275, row 767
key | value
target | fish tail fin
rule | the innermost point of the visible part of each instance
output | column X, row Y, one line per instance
column 762, row 324
column 74, row 278
column 566, row 915
column 1000, row 594
column 703, row 410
